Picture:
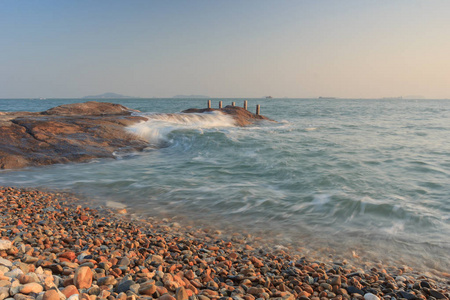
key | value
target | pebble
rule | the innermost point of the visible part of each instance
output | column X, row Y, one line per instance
column 81, row 253
column 370, row 296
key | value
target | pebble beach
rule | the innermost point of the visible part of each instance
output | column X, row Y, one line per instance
column 54, row 247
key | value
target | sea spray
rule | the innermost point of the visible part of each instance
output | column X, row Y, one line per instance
column 159, row 126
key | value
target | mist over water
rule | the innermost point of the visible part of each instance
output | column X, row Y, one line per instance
column 367, row 178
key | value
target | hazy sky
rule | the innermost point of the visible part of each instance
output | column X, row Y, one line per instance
column 225, row 48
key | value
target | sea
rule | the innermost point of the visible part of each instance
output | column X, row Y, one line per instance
column 338, row 179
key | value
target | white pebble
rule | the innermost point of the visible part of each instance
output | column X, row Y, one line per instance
column 5, row 245
column 370, row 296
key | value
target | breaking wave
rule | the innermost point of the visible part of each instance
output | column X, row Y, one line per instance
column 158, row 126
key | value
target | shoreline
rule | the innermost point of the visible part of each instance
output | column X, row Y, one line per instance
column 63, row 244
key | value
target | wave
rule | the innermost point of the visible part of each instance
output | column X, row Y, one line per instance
column 158, row 126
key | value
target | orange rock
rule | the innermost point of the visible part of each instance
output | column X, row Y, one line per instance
column 147, row 289
column 166, row 297
column 69, row 255
column 70, row 290
column 181, row 294
column 83, row 277
column 32, row 287
column 51, row 295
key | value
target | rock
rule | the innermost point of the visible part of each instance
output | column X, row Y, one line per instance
column 32, row 287
column 255, row 291
column 437, row 294
column 406, row 295
column 74, row 297
column 5, row 262
column 5, row 245
column 107, row 280
column 83, row 278
column 157, row 259
column 180, row 294
column 4, row 293
column 147, row 289
column 124, row 286
column 370, row 296
column 241, row 116
column 336, row 280
column 51, row 295
column 69, row 255
column 166, row 297
column 353, row 290
column 68, row 133
column 23, row 297
column 69, row 291
column 14, row 273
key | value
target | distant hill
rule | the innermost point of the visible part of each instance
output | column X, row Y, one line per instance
column 191, row 96
column 107, row 96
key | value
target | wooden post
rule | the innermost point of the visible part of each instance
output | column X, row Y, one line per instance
column 258, row 109
column 220, row 104
column 233, row 103
column 209, row 103
column 245, row 104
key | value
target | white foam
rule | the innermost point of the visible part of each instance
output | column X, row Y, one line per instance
column 159, row 126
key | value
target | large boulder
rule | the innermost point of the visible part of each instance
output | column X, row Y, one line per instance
column 68, row 133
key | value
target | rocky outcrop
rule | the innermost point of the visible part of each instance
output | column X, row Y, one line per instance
column 241, row 116
column 68, row 133
column 78, row 132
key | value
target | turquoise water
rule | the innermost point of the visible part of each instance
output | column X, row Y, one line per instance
column 367, row 178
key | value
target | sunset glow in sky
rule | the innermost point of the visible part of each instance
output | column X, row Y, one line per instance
column 355, row 49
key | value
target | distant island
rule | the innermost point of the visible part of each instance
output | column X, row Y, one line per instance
column 191, row 96
column 107, row 96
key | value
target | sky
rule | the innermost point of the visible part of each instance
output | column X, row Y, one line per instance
column 225, row 48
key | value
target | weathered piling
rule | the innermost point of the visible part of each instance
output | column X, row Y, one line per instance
column 220, row 104
column 258, row 109
column 233, row 103
column 209, row 103
column 245, row 104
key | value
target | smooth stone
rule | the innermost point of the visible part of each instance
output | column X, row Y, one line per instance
column 23, row 297
column 406, row 295
column 14, row 273
column 147, row 289
column 181, row 294
column 370, row 296
column 4, row 293
column 5, row 245
column 437, row 294
column 51, row 295
column 74, row 297
column 70, row 290
column 83, row 278
column 124, row 286
column 107, row 280
column 353, row 290
column 336, row 280
column 5, row 262
column 32, row 287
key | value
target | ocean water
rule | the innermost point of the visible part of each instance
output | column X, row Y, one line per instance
column 355, row 179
